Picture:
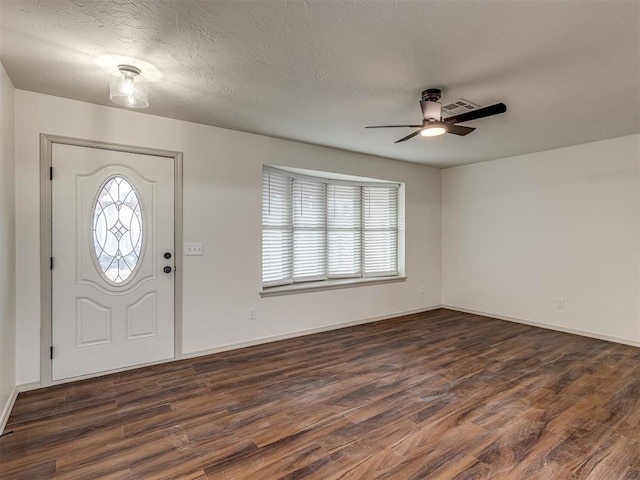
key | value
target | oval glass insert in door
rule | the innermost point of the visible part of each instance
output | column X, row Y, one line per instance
column 118, row 232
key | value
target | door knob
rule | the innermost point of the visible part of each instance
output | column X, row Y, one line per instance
column 167, row 255
column 167, row 269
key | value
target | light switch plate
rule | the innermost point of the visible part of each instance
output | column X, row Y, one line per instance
column 193, row 249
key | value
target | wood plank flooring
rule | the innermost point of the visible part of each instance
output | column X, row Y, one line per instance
column 439, row 395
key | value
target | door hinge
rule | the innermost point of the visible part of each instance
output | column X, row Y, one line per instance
column 50, row 173
column 51, row 352
column 50, row 263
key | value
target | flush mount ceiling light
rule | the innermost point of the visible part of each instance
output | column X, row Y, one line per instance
column 128, row 88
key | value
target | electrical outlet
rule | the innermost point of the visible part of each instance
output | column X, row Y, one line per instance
column 421, row 289
column 560, row 303
column 253, row 314
column 194, row 249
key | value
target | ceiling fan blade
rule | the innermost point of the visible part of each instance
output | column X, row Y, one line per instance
column 479, row 113
column 394, row 126
column 459, row 130
column 411, row 135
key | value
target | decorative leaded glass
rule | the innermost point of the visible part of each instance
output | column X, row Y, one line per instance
column 117, row 229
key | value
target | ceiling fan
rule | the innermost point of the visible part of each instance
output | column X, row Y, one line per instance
column 432, row 122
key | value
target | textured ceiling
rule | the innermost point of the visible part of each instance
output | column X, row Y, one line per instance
column 319, row 71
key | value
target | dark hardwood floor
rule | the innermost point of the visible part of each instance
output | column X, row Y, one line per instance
column 438, row 395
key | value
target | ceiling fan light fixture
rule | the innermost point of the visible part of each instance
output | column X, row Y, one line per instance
column 433, row 130
column 128, row 88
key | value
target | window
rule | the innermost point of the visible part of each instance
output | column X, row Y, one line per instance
column 316, row 229
column 117, row 229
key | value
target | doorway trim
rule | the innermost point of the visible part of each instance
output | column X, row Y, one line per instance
column 46, row 328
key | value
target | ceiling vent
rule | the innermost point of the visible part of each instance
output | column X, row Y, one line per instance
column 457, row 107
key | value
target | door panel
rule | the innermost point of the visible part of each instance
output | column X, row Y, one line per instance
column 112, row 222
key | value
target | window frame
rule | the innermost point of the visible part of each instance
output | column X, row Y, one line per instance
column 332, row 281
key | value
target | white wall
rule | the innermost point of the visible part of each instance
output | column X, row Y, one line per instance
column 517, row 233
column 520, row 233
column 222, row 205
column 7, row 246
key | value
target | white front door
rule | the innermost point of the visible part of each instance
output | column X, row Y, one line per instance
column 112, row 239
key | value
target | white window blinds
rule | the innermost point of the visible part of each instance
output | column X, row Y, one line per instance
column 277, row 230
column 344, row 224
column 309, row 231
column 315, row 229
column 380, row 231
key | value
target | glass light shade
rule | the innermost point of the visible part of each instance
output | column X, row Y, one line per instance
column 433, row 131
column 128, row 88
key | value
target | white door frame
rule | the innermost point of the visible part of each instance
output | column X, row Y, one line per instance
column 46, row 162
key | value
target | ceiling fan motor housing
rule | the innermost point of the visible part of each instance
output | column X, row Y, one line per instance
column 431, row 95
column 431, row 107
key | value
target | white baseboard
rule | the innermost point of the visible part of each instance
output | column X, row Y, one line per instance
column 301, row 333
column 7, row 409
column 548, row 326
column 27, row 387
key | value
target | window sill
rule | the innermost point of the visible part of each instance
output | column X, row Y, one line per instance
column 327, row 285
